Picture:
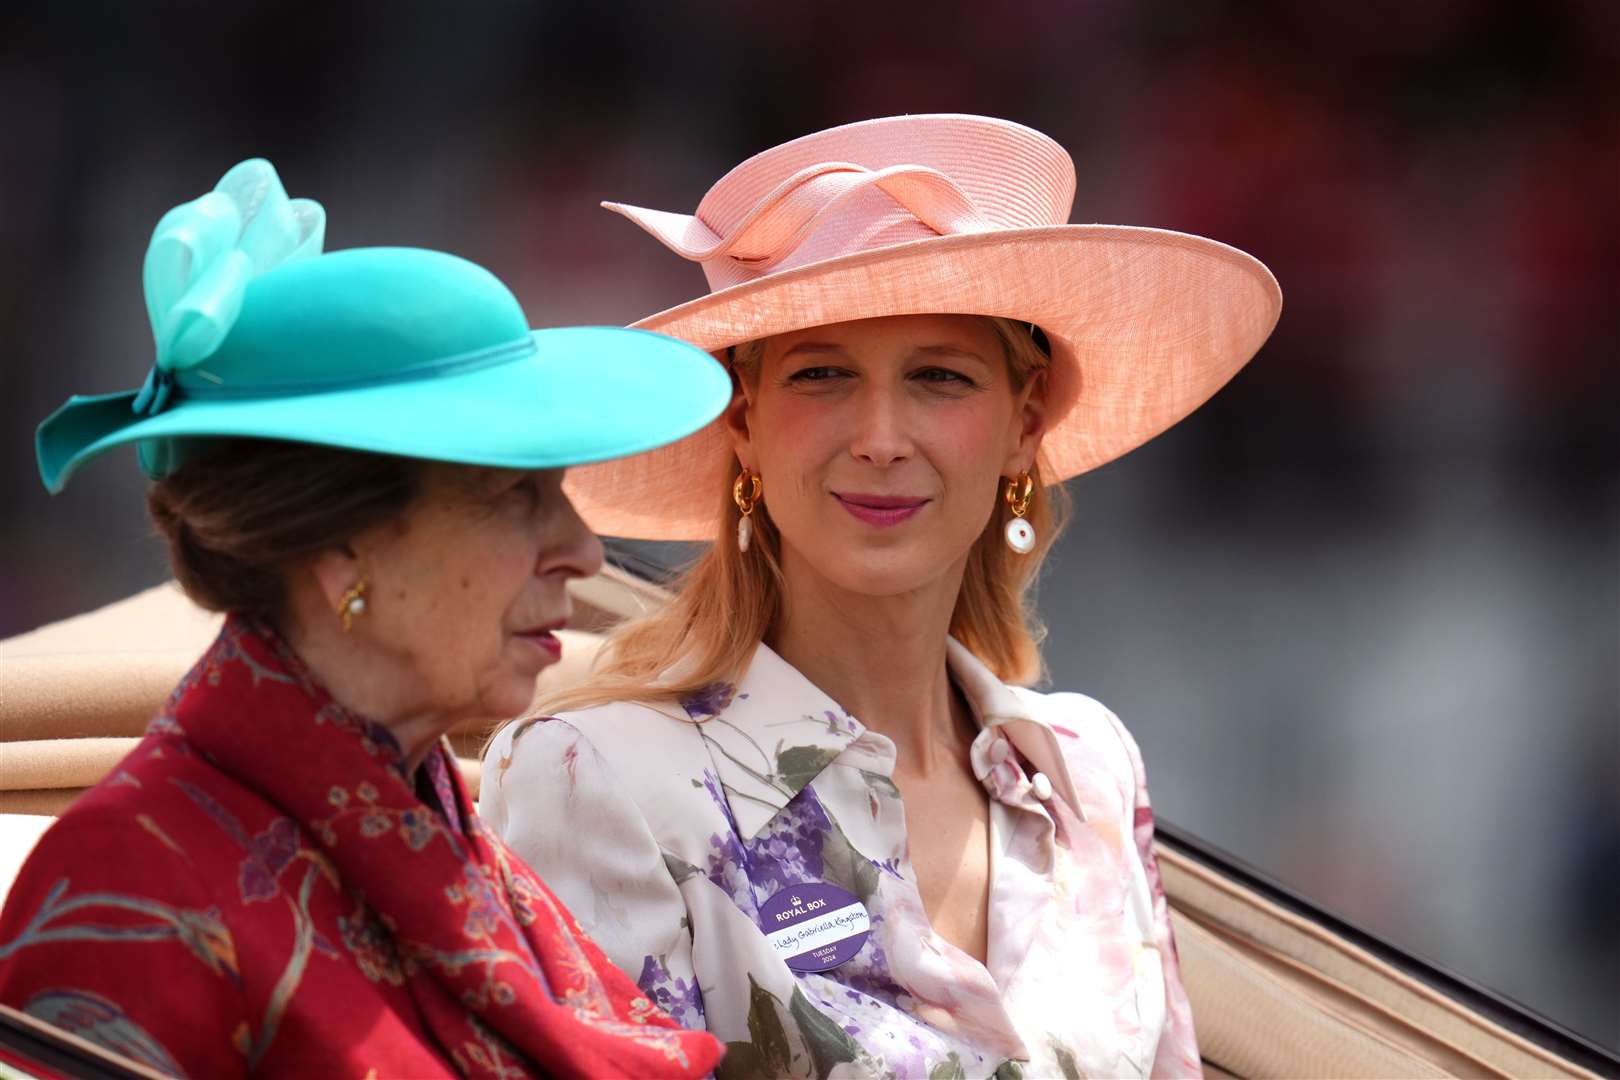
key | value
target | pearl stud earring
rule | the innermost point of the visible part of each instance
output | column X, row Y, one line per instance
column 352, row 604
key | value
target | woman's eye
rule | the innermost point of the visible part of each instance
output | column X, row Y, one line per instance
column 526, row 494
column 815, row 374
column 943, row 376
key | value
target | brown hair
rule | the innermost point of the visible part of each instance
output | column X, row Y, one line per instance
column 243, row 510
column 728, row 601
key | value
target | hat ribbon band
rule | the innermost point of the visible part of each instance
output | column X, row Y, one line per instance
column 461, row 364
column 782, row 220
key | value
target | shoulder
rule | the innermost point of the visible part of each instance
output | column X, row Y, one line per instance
column 620, row 735
column 630, row 753
column 1079, row 719
column 160, row 816
column 132, row 880
column 1080, row 728
column 1089, row 735
column 166, row 778
column 615, row 719
column 115, row 844
column 135, row 841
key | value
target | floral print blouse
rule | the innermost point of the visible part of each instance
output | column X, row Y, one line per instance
column 666, row 828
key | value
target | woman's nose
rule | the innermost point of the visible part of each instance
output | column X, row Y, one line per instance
column 880, row 436
column 574, row 551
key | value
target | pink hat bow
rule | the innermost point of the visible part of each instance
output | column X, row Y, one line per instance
column 940, row 214
column 779, row 223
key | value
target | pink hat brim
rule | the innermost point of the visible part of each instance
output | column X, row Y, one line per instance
column 1145, row 325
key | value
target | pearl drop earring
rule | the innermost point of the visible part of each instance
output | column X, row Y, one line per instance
column 745, row 493
column 1020, row 534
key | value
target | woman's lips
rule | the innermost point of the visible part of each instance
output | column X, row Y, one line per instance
column 542, row 637
column 881, row 510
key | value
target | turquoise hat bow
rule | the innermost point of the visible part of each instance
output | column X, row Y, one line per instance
column 390, row 350
column 203, row 254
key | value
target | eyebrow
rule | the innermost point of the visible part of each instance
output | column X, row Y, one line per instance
column 815, row 348
column 826, row 348
column 949, row 351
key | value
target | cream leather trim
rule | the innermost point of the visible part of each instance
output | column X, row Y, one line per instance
column 1275, row 994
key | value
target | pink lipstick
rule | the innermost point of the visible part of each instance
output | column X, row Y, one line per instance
column 542, row 637
column 881, row 510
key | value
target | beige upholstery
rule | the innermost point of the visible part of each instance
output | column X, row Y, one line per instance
column 77, row 694
column 1274, row 994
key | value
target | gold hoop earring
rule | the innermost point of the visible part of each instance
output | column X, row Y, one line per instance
column 353, row 604
column 745, row 493
column 1020, row 534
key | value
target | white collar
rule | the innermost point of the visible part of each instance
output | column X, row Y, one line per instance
column 761, row 773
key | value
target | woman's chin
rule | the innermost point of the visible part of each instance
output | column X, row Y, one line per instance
column 512, row 697
column 870, row 563
column 879, row 578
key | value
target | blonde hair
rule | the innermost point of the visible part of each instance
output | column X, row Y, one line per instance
column 726, row 603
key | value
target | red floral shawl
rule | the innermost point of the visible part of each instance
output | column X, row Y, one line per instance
column 268, row 838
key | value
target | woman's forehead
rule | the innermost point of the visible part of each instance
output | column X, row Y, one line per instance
column 445, row 480
column 966, row 334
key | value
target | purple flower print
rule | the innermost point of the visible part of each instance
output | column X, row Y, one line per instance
column 680, row 998
column 840, row 723
column 868, row 971
column 711, row 784
column 372, row 947
column 786, row 852
column 728, row 870
column 707, row 702
column 484, row 914
column 416, row 828
column 268, row 855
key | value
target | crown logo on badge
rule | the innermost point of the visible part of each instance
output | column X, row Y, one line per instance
column 795, row 901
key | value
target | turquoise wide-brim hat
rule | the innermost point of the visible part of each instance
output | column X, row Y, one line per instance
column 390, row 350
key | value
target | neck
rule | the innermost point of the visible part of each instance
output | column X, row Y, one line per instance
column 880, row 657
column 364, row 682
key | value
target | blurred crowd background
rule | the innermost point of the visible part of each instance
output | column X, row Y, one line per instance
column 1362, row 611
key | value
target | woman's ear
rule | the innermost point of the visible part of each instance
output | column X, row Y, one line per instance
column 1028, row 427
column 335, row 571
column 736, row 422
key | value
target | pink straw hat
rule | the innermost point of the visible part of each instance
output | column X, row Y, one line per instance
column 933, row 215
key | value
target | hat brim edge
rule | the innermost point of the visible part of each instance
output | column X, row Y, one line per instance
column 549, row 410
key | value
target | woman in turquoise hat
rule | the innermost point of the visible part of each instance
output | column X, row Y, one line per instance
column 358, row 456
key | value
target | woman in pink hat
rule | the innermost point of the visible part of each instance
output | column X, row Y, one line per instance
column 813, row 806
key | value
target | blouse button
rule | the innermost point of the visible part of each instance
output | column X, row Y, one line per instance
column 1042, row 786
column 998, row 751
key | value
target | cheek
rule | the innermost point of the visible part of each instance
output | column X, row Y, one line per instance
column 967, row 450
column 499, row 575
column 476, row 659
column 966, row 442
column 793, row 430
column 457, row 600
column 795, row 445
